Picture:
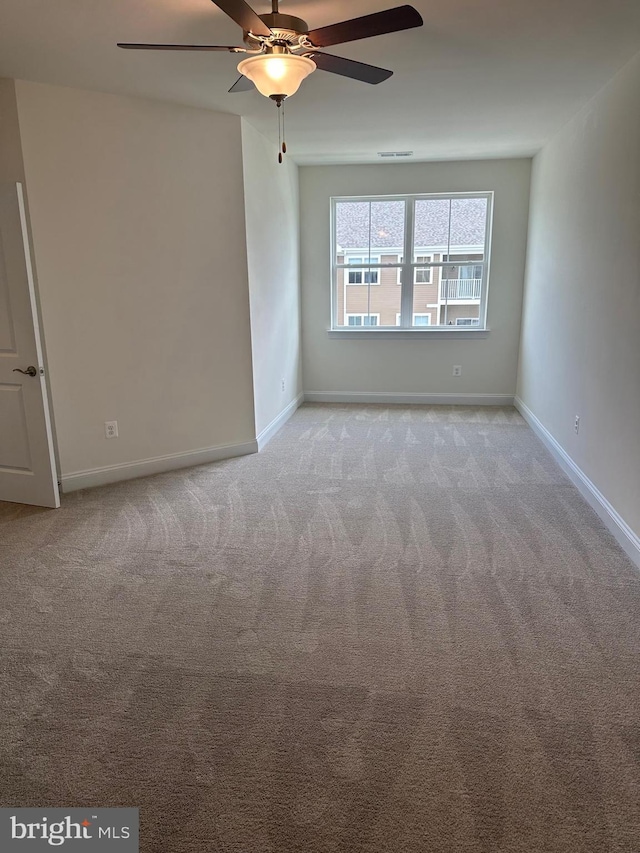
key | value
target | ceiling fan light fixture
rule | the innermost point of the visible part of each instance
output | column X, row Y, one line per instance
column 277, row 73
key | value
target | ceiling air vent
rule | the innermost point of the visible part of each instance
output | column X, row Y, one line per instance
column 393, row 155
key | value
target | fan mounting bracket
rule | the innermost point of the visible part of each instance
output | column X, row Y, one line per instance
column 285, row 29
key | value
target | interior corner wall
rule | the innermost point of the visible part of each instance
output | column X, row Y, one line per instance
column 580, row 349
column 272, row 223
column 137, row 215
column 424, row 364
column 11, row 163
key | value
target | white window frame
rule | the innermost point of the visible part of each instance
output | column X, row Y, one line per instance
column 473, row 321
column 406, row 272
column 362, row 325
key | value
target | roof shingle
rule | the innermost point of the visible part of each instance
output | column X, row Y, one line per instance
column 380, row 224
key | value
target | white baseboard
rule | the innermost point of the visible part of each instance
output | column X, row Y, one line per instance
column 268, row 432
column 157, row 465
column 617, row 526
column 409, row 399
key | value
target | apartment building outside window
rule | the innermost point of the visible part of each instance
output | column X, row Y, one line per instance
column 361, row 276
column 411, row 262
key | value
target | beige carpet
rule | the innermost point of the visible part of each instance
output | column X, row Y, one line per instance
column 396, row 629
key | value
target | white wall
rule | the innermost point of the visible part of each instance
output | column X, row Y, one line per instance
column 272, row 220
column 137, row 214
column 422, row 365
column 581, row 322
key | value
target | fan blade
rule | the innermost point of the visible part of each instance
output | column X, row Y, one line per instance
column 229, row 48
column 242, row 84
column 349, row 68
column 244, row 16
column 390, row 21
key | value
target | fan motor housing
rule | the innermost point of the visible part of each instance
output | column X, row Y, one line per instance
column 285, row 28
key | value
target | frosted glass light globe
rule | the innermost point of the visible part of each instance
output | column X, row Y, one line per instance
column 277, row 74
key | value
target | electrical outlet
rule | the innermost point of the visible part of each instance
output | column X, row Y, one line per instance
column 282, row 385
column 576, row 425
column 457, row 370
column 111, row 429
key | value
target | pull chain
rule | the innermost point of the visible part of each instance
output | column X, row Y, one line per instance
column 279, row 134
column 284, row 144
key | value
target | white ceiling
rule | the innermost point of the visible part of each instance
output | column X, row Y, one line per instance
column 490, row 78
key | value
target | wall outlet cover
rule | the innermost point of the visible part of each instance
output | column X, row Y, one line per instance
column 111, row 429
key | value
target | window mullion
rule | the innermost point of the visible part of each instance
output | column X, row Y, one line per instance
column 446, row 294
column 364, row 275
column 335, row 274
column 482, row 315
column 406, row 294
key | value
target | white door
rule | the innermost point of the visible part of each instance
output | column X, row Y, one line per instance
column 27, row 467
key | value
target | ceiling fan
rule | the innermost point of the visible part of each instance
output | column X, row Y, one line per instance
column 284, row 36
column 284, row 50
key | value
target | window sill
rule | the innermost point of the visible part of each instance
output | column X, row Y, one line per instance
column 408, row 333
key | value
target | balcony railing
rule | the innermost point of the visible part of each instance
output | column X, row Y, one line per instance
column 461, row 288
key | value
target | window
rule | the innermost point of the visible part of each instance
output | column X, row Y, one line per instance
column 418, row 319
column 386, row 248
column 423, row 274
column 362, row 319
column 362, row 276
column 468, row 271
column 422, row 319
